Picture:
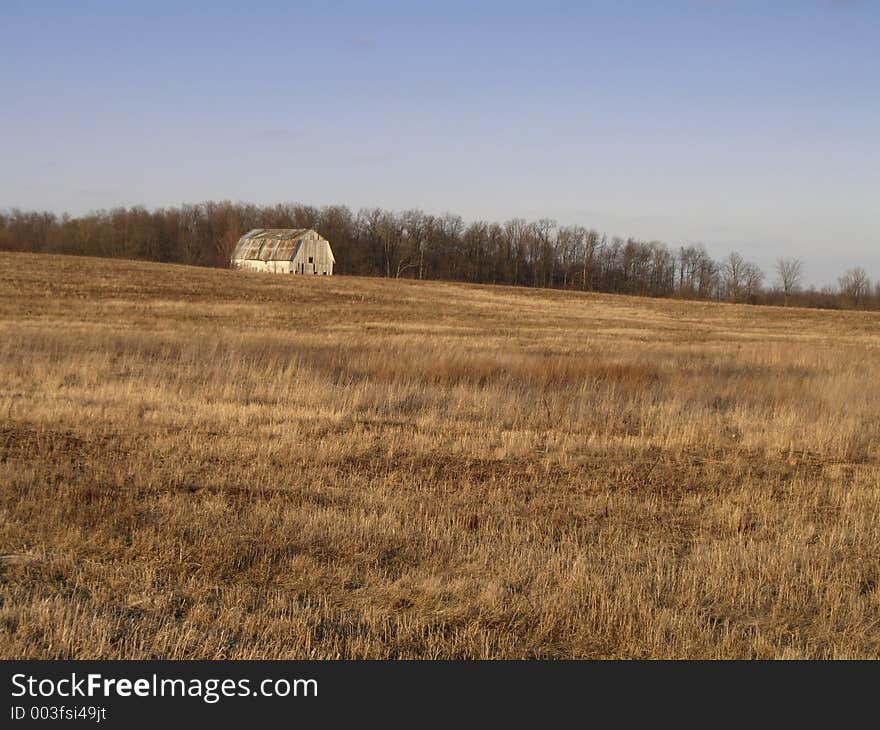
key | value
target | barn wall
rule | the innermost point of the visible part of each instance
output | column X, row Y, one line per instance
column 273, row 267
column 316, row 248
column 278, row 267
column 249, row 265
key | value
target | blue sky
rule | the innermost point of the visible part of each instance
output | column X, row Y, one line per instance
column 742, row 125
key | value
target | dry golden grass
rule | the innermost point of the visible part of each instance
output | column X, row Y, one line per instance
column 207, row 464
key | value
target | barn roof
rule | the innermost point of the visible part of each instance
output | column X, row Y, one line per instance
column 275, row 233
column 268, row 244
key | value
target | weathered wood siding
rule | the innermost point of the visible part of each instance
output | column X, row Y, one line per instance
column 313, row 256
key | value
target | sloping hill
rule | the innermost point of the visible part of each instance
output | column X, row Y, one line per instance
column 199, row 463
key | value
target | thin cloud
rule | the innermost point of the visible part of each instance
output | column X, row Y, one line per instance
column 362, row 43
column 372, row 158
column 272, row 135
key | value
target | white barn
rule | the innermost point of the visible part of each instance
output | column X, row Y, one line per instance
column 284, row 251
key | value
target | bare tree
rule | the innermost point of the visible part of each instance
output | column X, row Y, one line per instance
column 591, row 244
column 733, row 271
column 225, row 245
column 689, row 260
column 515, row 231
column 418, row 228
column 790, row 272
column 752, row 280
column 855, row 285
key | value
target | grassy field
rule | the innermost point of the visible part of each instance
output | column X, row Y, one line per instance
column 200, row 463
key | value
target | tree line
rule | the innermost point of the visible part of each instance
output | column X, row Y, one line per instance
column 415, row 244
